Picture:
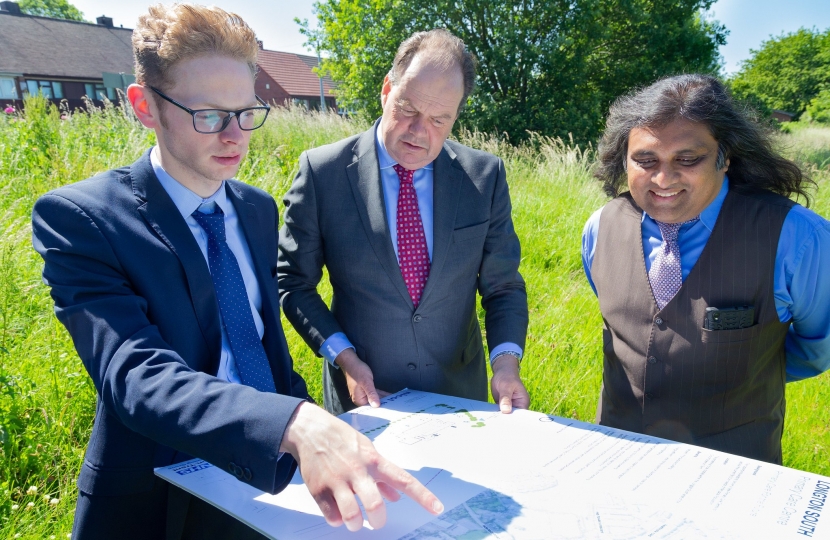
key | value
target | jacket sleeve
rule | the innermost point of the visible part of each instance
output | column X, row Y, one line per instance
column 139, row 378
column 502, row 289
column 301, row 259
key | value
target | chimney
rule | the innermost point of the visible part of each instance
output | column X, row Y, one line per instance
column 104, row 21
column 259, row 42
column 10, row 7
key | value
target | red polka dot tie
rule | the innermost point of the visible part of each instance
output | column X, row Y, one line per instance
column 413, row 256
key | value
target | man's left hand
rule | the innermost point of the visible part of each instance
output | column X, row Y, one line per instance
column 507, row 387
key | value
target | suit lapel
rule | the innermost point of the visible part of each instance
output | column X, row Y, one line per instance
column 364, row 176
column 161, row 214
column 446, row 187
column 254, row 228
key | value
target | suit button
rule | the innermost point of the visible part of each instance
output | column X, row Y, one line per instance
column 417, row 318
column 246, row 474
column 652, row 360
column 649, row 395
column 234, row 469
column 647, row 427
column 411, row 366
column 658, row 320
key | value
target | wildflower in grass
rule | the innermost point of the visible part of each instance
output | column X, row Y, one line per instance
column 15, row 507
column 32, row 490
column 30, row 505
column 9, row 109
column 46, row 498
column 54, row 501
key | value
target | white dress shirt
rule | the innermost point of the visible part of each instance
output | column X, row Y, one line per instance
column 188, row 202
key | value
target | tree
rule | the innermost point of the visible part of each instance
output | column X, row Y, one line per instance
column 57, row 9
column 819, row 108
column 786, row 73
column 549, row 66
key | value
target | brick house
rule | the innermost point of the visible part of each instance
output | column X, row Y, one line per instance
column 67, row 60
column 64, row 60
column 287, row 77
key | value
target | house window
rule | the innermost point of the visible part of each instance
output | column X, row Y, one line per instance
column 99, row 91
column 301, row 102
column 49, row 89
column 8, row 90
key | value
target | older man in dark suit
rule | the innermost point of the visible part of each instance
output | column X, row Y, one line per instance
column 410, row 226
column 163, row 273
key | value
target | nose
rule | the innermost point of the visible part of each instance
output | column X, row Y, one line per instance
column 232, row 133
column 663, row 177
column 417, row 126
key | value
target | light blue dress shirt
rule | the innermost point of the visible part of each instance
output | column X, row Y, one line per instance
column 801, row 288
column 187, row 202
column 422, row 181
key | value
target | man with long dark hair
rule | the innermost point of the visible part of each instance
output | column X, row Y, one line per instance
column 707, row 273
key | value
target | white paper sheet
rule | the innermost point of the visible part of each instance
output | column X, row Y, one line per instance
column 531, row 476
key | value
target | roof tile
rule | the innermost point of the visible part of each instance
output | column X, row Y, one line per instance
column 293, row 73
column 44, row 46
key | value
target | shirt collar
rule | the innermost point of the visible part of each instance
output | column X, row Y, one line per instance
column 384, row 159
column 185, row 200
column 709, row 215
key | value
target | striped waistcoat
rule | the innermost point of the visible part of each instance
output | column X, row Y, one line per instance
column 663, row 373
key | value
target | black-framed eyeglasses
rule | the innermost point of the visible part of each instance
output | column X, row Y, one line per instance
column 215, row 120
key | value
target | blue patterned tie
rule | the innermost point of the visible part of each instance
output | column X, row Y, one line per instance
column 665, row 274
column 248, row 352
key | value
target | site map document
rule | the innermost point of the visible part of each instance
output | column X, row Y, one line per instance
column 529, row 476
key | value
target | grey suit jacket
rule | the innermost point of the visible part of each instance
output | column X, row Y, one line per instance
column 335, row 216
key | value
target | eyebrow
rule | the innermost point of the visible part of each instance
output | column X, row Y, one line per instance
column 699, row 150
column 214, row 106
column 405, row 102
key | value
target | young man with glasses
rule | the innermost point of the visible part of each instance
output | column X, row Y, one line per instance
column 164, row 274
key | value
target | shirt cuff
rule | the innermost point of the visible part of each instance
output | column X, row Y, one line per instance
column 504, row 348
column 334, row 345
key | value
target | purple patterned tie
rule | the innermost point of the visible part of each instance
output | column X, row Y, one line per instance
column 665, row 275
column 413, row 255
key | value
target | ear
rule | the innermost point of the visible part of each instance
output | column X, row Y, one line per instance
column 384, row 91
column 726, row 165
column 145, row 108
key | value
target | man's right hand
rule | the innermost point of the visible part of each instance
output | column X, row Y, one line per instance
column 337, row 463
column 359, row 378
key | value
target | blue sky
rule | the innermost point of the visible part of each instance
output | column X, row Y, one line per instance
column 750, row 21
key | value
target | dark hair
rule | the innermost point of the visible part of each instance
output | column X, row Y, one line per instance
column 702, row 99
column 444, row 49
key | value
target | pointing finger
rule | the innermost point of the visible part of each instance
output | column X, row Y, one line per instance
column 401, row 480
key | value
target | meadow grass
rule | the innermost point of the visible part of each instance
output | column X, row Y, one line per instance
column 47, row 401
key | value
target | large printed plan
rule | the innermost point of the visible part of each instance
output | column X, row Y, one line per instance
column 531, row 476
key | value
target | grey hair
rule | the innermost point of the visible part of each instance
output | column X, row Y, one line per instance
column 701, row 99
column 442, row 48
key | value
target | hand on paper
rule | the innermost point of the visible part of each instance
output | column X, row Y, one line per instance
column 359, row 379
column 337, row 463
column 506, row 385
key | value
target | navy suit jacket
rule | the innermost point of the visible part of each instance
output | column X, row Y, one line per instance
column 132, row 287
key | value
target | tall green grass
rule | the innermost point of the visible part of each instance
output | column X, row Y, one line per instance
column 47, row 401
